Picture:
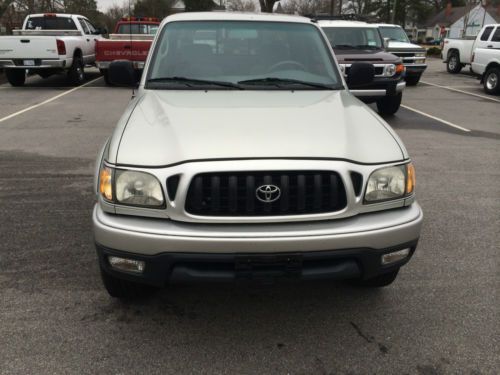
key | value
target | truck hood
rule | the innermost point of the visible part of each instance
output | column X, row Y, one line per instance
column 396, row 45
column 348, row 56
column 167, row 127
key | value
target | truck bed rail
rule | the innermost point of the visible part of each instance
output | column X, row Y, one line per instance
column 47, row 32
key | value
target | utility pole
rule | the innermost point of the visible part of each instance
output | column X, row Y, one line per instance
column 393, row 15
column 332, row 3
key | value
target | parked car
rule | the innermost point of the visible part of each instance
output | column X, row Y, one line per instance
column 49, row 44
column 457, row 53
column 486, row 60
column 244, row 156
column 356, row 41
column 130, row 40
column 399, row 44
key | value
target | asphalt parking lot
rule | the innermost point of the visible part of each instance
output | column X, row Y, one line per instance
column 441, row 316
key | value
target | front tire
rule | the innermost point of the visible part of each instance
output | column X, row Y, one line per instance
column 379, row 281
column 76, row 74
column 16, row 77
column 412, row 81
column 124, row 289
column 389, row 105
column 453, row 65
column 491, row 81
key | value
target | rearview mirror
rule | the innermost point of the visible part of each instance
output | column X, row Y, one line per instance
column 386, row 42
column 360, row 74
column 122, row 73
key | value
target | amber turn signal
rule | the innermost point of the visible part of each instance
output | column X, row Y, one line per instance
column 105, row 184
column 400, row 68
column 410, row 178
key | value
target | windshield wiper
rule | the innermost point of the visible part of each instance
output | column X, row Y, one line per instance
column 342, row 46
column 193, row 81
column 286, row 81
column 366, row 46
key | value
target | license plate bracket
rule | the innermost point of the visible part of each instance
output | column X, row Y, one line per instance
column 268, row 266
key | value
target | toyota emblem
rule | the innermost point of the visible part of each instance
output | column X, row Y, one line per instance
column 268, row 193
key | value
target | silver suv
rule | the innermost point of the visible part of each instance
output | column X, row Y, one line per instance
column 244, row 156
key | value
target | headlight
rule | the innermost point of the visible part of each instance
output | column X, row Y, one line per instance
column 138, row 189
column 390, row 70
column 390, row 183
column 130, row 188
column 420, row 54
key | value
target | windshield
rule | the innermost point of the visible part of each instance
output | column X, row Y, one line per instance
column 135, row 28
column 353, row 37
column 243, row 53
column 394, row 33
column 50, row 23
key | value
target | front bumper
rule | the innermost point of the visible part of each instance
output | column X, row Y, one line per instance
column 379, row 88
column 39, row 64
column 345, row 243
column 415, row 69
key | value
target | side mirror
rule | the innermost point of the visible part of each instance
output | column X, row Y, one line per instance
column 360, row 74
column 386, row 42
column 122, row 73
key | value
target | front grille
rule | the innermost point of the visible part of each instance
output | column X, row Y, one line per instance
column 404, row 54
column 235, row 193
column 379, row 70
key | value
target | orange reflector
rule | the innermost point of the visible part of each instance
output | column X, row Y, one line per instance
column 410, row 179
column 105, row 187
column 400, row 68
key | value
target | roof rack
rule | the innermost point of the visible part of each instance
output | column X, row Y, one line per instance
column 337, row 17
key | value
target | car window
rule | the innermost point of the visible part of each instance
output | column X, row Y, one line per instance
column 135, row 28
column 486, row 33
column 353, row 37
column 50, row 23
column 496, row 35
column 84, row 26
column 394, row 33
column 234, row 51
column 91, row 27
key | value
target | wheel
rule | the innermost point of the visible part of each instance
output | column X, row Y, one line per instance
column 389, row 105
column 378, row 281
column 412, row 80
column 453, row 65
column 491, row 81
column 76, row 74
column 124, row 289
column 105, row 75
column 16, row 77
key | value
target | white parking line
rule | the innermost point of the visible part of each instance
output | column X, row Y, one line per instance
column 462, row 91
column 436, row 118
column 46, row 101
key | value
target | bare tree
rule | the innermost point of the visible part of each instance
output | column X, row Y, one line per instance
column 267, row 6
column 307, row 6
column 241, row 5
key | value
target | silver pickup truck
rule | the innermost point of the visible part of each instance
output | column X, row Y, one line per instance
column 244, row 156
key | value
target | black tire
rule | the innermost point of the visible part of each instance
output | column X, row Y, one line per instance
column 76, row 74
column 105, row 75
column 379, row 281
column 453, row 65
column 389, row 105
column 124, row 289
column 412, row 80
column 16, row 77
column 491, row 81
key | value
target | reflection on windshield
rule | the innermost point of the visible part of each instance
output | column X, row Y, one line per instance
column 353, row 37
column 236, row 51
column 394, row 33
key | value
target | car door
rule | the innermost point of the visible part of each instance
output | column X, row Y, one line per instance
column 482, row 49
column 88, row 45
column 94, row 37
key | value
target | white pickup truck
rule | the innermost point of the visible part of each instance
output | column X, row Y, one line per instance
column 458, row 53
column 49, row 44
column 486, row 60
